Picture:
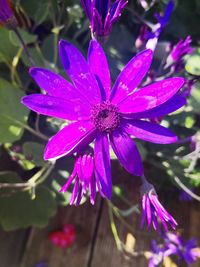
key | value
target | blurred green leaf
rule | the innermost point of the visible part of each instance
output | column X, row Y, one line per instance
column 193, row 65
column 7, row 49
column 34, row 151
column 194, row 100
column 20, row 211
column 27, row 38
column 36, row 55
column 13, row 115
column 37, row 10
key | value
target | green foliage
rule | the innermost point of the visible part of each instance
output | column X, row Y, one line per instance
column 27, row 38
column 7, row 49
column 195, row 98
column 13, row 115
column 19, row 210
column 37, row 10
column 35, row 152
column 193, row 65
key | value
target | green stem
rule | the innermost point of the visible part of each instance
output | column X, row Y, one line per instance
column 55, row 57
column 41, row 175
column 34, row 132
column 35, row 180
column 114, row 228
column 24, row 45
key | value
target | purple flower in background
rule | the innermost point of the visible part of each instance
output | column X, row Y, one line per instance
column 181, row 49
column 102, row 15
column 157, row 255
column 175, row 58
column 83, row 176
column 102, row 115
column 153, row 211
column 183, row 196
column 187, row 251
column 162, row 21
column 6, row 13
column 41, row 264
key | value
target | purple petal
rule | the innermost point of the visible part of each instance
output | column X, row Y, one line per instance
column 92, row 189
column 75, row 192
column 56, row 85
column 131, row 76
column 127, row 152
column 78, row 70
column 149, row 131
column 87, row 168
column 69, row 139
column 148, row 211
column 56, row 107
column 99, row 67
column 68, row 183
column 116, row 9
column 102, row 164
column 86, row 4
column 170, row 106
column 151, row 96
column 102, row 7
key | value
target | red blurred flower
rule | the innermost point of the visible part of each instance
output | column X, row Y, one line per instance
column 63, row 238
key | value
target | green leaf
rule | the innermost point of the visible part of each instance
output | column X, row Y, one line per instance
column 35, row 152
column 193, row 65
column 37, row 10
column 27, row 38
column 194, row 100
column 18, row 210
column 36, row 55
column 7, row 49
column 13, row 115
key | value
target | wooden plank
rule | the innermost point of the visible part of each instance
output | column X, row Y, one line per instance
column 106, row 253
column 11, row 247
column 39, row 249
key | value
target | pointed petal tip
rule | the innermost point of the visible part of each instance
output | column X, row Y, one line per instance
column 31, row 70
column 63, row 42
column 24, row 100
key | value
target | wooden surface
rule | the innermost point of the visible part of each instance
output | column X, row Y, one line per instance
column 95, row 245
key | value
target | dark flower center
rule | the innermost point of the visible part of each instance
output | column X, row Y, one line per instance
column 105, row 116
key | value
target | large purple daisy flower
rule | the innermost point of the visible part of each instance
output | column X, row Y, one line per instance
column 101, row 114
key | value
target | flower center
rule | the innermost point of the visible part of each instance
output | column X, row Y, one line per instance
column 105, row 116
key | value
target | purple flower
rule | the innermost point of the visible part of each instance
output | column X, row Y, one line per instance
column 181, row 49
column 157, row 255
column 183, row 196
column 153, row 210
column 187, row 251
column 102, row 16
column 83, row 176
column 6, row 13
column 41, row 264
column 162, row 21
column 100, row 114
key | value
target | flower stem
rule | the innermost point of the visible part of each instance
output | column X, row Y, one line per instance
column 114, row 228
column 23, row 45
column 36, row 133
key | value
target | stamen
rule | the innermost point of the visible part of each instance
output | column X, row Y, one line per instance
column 105, row 116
